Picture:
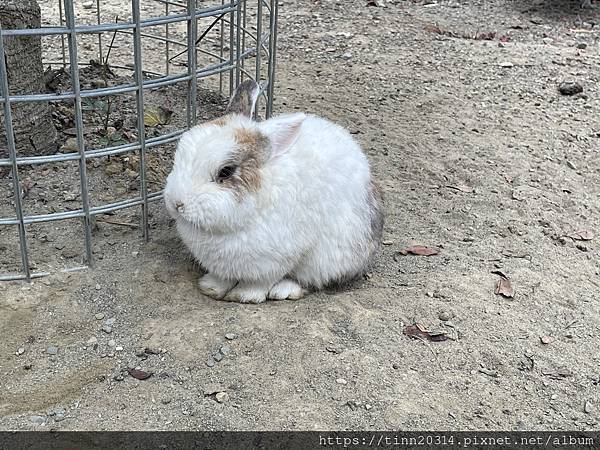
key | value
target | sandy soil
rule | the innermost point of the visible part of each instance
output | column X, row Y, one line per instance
column 479, row 155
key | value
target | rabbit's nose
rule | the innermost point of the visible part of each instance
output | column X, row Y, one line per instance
column 179, row 206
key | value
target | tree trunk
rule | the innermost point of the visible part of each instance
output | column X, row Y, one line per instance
column 34, row 131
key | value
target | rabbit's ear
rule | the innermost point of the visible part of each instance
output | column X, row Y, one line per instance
column 244, row 99
column 282, row 131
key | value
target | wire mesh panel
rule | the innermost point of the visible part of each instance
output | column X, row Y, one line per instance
column 119, row 87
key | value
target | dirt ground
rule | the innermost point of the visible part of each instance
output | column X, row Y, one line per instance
column 478, row 154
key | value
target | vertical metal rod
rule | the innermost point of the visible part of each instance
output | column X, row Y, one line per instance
column 99, row 34
column 244, row 34
column 192, row 30
column 139, row 81
column 221, row 51
column 72, row 38
column 62, row 36
column 231, row 24
column 272, row 44
column 167, row 43
column 12, row 152
column 238, row 36
column 259, row 19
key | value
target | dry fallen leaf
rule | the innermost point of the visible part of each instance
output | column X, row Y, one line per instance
column 139, row 374
column 582, row 235
column 157, row 116
column 433, row 29
column 486, row 36
column 420, row 250
column 504, row 288
column 418, row 331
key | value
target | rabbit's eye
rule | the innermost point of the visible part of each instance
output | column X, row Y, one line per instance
column 226, row 173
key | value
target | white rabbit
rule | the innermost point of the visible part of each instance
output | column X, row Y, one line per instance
column 271, row 209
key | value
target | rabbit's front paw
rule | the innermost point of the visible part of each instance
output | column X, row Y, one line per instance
column 214, row 287
column 286, row 289
column 248, row 293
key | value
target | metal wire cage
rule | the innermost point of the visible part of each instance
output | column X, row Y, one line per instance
column 153, row 52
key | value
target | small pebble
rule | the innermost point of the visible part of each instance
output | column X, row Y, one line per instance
column 110, row 322
column 99, row 316
column 368, row 407
column 210, row 362
column 506, row 64
column 20, row 351
column 52, row 350
column 341, row 381
column 217, row 356
column 98, row 287
column 547, row 340
column 93, row 340
column 112, row 343
column 38, row 419
column 570, row 88
column 225, row 350
column 222, row 397
column 152, row 351
column 582, row 45
column 230, row 336
column 445, row 315
column 587, row 407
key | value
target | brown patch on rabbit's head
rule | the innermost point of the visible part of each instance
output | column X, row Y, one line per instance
column 248, row 159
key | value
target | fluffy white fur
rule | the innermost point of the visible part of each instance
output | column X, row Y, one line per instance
column 309, row 224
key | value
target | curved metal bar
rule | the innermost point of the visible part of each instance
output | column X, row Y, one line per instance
column 78, row 213
column 123, row 89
